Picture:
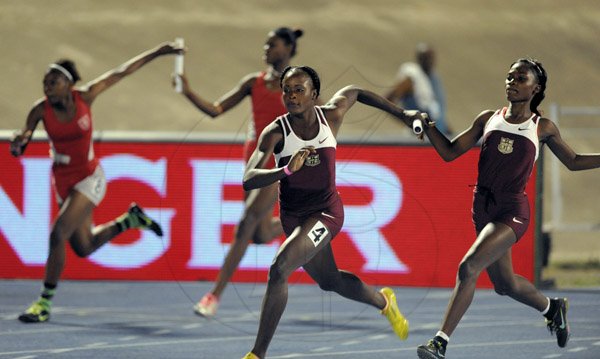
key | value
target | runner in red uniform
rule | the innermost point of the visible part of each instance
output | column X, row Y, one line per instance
column 257, row 223
column 511, row 141
column 77, row 176
column 304, row 144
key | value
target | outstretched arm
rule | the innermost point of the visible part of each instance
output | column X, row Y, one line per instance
column 225, row 103
column 106, row 80
column 345, row 98
column 550, row 134
column 450, row 150
column 22, row 138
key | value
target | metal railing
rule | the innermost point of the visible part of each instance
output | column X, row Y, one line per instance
column 557, row 223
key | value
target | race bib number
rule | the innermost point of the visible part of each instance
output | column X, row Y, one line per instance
column 317, row 233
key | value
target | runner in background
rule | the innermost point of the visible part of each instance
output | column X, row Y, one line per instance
column 257, row 224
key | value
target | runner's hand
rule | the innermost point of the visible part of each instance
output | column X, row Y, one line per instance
column 298, row 158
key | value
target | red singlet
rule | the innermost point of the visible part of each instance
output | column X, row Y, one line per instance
column 267, row 105
column 71, row 145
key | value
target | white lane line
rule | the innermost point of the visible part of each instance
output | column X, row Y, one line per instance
column 293, row 335
column 411, row 349
column 57, row 351
column 550, row 356
column 378, row 337
column 577, row 349
column 351, row 342
column 41, row 330
column 162, row 331
column 321, row 349
column 225, row 339
column 192, row 326
column 128, row 338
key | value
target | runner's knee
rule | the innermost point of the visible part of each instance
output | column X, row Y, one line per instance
column 248, row 221
column 80, row 252
column 328, row 284
column 57, row 235
column 467, row 271
column 80, row 249
column 503, row 288
column 279, row 271
column 262, row 235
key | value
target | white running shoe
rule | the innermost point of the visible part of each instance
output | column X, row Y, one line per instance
column 207, row 306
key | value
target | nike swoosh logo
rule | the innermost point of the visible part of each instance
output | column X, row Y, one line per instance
column 516, row 220
column 562, row 320
column 523, row 129
column 323, row 140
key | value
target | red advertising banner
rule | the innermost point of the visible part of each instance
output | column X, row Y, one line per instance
column 408, row 214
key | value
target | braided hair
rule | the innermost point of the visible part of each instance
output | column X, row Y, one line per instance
column 314, row 77
column 542, row 78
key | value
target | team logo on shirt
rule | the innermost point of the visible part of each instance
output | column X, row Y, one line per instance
column 84, row 122
column 506, row 145
column 312, row 160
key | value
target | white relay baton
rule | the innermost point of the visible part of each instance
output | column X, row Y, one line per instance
column 179, row 66
column 417, row 126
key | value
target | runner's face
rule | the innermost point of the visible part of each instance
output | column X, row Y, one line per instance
column 521, row 83
column 276, row 50
column 298, row 92
column 56, row 86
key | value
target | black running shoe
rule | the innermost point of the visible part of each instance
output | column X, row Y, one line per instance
column 432, row 350
column 558, row 324
column 138, row 219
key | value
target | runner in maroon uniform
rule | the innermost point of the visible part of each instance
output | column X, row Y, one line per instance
column 77, row 176
column 511, row 138
column 257, row 223
column 304, row 144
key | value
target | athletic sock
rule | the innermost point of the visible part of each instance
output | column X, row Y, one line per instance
column 553, row 307
column 123, row 222
column 48, row 291
column 545, row 311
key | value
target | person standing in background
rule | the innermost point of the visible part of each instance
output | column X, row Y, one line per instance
column 419, row 87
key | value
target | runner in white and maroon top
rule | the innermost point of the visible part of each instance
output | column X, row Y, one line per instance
column 304, row 144
column 511, row 144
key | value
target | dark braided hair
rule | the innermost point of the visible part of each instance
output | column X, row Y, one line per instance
column 314, row 77
column 542, row 78
column 69, row 65
column 289, row 36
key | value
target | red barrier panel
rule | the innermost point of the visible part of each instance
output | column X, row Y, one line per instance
column 408, row 219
